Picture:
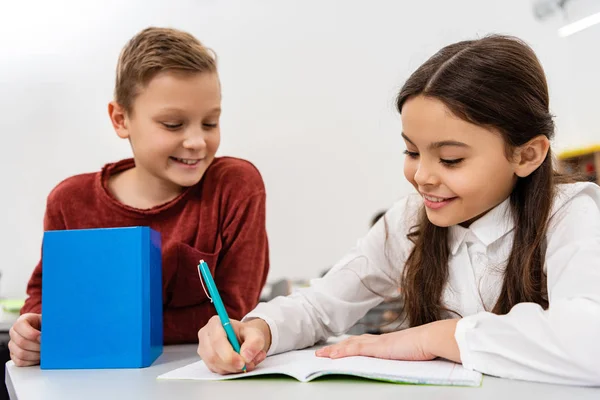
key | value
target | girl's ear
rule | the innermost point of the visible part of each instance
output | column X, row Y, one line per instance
column 118, row 118
column 528, row 157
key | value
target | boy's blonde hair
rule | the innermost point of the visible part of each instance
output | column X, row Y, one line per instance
column 154, row 50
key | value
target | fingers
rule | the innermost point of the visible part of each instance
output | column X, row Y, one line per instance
column 22, row 342
column 338, row 350
column 22, row 357
column 216, row 351
column 260, row 357
column 35, row 320
column 21, row 363
column 209, row 357
column 24, row 327
column 363, row 345
column 218, row 354
column 205, row 349
column 229, row 360
column 253, row 343
column 332, row 350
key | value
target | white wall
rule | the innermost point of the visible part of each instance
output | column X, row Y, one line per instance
column 308, row 90
column 583, row 74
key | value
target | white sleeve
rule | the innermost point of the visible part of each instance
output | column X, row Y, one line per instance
column 560, row 344
column 332, row 304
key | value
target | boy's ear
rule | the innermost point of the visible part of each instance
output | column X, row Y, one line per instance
column 118, row 118
column 528, row 157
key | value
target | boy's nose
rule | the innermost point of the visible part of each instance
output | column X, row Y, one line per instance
column 195, row 141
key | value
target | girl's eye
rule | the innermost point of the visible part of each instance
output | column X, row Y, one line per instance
column 210, row 126
column 451, row 162
column 411, row 154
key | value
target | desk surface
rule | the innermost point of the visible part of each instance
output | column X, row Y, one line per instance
column 33, row 383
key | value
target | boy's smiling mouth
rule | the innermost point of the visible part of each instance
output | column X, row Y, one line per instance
column 187, row 161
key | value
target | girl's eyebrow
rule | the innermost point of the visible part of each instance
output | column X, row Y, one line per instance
column 437, row 145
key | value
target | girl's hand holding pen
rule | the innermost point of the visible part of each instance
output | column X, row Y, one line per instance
column 218, row 354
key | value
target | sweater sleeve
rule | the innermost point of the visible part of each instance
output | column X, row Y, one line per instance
column 53, row 221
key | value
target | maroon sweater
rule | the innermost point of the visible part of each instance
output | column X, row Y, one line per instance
column 220, row 220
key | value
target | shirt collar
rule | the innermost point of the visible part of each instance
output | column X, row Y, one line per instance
column 490, row 227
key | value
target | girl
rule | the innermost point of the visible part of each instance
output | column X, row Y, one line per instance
column 496, row 257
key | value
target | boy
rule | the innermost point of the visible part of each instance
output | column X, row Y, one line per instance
column 167, row 104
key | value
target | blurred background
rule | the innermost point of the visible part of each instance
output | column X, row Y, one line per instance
column 308, row 97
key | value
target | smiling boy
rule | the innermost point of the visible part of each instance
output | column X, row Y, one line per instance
column 167, row 103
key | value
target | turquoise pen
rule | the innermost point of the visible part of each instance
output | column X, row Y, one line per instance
column 215, row 298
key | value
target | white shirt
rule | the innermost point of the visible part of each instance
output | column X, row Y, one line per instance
column 558, row 345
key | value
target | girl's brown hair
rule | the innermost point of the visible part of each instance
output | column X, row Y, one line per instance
column 495, row 82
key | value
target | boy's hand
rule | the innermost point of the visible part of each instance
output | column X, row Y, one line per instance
column 24, row 345
column 217, row 353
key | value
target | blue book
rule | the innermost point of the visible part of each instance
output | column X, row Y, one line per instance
column 101, row 298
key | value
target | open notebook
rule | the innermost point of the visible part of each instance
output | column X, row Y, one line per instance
column 304, row 366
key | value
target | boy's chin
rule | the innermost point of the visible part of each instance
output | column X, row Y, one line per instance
column 187, row 181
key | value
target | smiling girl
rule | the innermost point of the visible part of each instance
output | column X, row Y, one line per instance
column 497, row 260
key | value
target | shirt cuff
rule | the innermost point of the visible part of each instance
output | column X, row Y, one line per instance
column 272, row 328
column 463, row 328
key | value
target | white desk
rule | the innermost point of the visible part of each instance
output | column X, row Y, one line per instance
column 33, row 383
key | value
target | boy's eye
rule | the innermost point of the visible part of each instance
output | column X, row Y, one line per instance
column 411, row 154
column 172, row 126
column 210, row 126
column 451, row 162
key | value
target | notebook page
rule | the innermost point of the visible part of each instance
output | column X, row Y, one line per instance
column 303, row 365
column 297, row 364
column 436, row 372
